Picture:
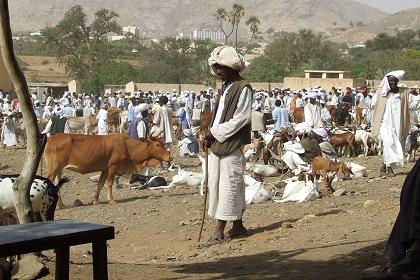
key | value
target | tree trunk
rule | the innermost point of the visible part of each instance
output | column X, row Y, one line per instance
column 35, row 141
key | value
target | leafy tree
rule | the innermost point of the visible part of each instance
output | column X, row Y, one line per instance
column 82, row 48
column 235, row 17
column 254, row 24
column 222, row 17
column 114, row 73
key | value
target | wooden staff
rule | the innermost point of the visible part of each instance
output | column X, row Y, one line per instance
column 206, row 185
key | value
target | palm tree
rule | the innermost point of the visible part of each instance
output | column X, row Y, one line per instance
column 235, row 16
column 254, row 24
column 221, row 16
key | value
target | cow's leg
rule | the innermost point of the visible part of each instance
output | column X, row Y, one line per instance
column 109, row 183
column 101, row 182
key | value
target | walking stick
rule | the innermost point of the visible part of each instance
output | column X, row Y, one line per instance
column 206, row 185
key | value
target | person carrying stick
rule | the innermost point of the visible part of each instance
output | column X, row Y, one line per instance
column 230, row 130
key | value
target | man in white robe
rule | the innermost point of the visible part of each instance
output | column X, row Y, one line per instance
column 162, row 121
column 102, row 118
column 391, row 121
column 312, row 112
column 230, row 131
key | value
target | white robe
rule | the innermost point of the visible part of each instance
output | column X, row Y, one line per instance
column 163, row 125
column 8, row 133
column 313, row 115
column 226, row 173
column 102, row 118
column 390, row 132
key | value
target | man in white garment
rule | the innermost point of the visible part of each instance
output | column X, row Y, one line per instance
column 162, row 122
column 230, row 131
column 102, row 118
column 391, row 121
column 414, row 104
column 313, row 112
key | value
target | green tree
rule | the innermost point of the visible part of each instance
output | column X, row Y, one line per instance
column 114, row 73
column 254, row 25
column 81, row 47
column 235, row 17
column 222, row 17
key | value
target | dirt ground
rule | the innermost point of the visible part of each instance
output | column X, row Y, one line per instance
column 156, row 231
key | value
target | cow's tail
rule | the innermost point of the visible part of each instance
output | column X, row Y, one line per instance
column 62, row 182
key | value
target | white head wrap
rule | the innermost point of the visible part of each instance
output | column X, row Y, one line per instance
column 143, row 107
column 303, row 127
column 187, row 132
column 385, row 88
column 227, row 56
column 59, row 111
column 322, row 132
column 312, row 94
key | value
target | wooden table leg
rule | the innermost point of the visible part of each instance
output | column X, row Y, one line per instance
column 62, row 263
column 100, row 260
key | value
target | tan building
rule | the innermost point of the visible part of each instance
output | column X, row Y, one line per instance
column 323, row 79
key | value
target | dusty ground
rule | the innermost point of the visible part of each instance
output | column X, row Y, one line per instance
column 330, row 238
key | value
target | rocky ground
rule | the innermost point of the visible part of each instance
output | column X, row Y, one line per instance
column 156, row 231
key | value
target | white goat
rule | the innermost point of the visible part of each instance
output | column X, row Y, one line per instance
column 184, row 177
column 262, row 169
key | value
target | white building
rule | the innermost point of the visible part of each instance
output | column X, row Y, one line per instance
column 214, row 35
column 134, row 30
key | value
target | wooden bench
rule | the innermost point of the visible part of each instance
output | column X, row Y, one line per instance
column 58, row 235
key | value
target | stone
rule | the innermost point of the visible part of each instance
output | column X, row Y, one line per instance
column 27, row 268
column 78, row 203
column 287, row 225
column 339, row 192
column 395, row 190
column 95, row 178
column 368, row 203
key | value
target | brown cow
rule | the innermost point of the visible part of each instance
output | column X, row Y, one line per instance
column 114, row 118
column 115, row 154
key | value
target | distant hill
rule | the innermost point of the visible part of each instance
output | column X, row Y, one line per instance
column 408, row 19
column 166, row 17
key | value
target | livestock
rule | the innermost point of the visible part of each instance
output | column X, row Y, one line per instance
column 114, row 118
column 262, row 169
column 183, row 177
column 414, row 145
column 113, row 155
column 257, row 146
column 342, row 139
column 342, row 113
column 87, row 124
column 363, row 137
column 148, row 181
column 322, row 166
column 123, row 121
column 43, row 195
column 333, row 112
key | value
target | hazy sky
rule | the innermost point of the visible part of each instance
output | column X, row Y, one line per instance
column 392, row 6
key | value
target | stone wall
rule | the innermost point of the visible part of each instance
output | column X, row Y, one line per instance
column 299, row 83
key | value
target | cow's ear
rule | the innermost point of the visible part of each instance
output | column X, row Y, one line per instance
column 152, row 162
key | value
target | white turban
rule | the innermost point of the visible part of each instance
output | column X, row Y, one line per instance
column 322, row 132
column 385, row 88
column 227, row 56
column 303, row 127
column 187, row 132
column 143, row 107
column 312, row 94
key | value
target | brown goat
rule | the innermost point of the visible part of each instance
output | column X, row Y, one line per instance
column 321, row 166
column 343, row 139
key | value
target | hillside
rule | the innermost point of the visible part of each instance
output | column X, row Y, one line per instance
column 166, row 17
column 408, row 19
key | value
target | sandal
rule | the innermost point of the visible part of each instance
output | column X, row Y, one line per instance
column 213, row 241
column 242, row 232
